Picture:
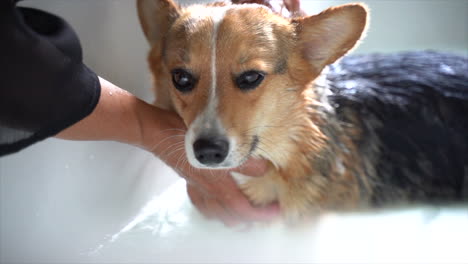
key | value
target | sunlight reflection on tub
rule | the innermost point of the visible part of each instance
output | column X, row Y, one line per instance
column 169, row 229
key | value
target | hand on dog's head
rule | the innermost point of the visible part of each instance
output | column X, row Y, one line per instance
column 293, row 7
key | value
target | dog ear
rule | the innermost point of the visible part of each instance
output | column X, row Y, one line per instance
column 326, row 37
column 156, row 17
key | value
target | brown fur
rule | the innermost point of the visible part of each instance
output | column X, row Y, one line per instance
column 282, row 111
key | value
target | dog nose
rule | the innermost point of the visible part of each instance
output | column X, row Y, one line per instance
column 211, row 151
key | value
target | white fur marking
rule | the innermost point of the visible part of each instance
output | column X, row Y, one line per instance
column 208, row 120
column 240, row 178
column 217, row 17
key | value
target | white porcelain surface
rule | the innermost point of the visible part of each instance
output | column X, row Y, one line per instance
column 169, row 230
column 59, row 200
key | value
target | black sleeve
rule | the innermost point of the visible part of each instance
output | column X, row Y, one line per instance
column 44, row 86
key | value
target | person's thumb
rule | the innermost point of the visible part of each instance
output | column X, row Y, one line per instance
column 253, row 167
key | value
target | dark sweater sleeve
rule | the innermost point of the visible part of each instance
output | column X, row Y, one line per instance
column 44, row 86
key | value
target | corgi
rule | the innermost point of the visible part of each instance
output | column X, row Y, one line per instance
column 364, row 132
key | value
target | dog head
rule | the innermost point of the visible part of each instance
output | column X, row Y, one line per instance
column 236, row 74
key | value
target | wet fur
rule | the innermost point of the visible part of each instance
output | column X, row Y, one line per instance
column 412, row 113
column 372, row 130
column 395, row 133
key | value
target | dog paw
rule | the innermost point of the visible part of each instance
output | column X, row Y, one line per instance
column 298, row 212
column 260, row 190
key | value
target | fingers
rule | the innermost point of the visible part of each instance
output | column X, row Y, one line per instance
column 210, row 207
column 261, row 2
column 246, row 212
column 253, row 167
column 220, row 212
column 228, row 204
column 294, row 7
column 240, row 206
column 197, row 199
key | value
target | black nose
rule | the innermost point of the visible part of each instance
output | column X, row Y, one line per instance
column 211, row 151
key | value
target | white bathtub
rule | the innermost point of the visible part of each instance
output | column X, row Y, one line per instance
column 107, row 202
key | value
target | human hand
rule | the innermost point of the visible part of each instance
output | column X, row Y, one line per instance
column 293, row 7
column 213, row 192
column 216, row 195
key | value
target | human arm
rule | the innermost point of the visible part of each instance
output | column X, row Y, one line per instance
column 119, row 116
column 122, row 117
column 46, row 90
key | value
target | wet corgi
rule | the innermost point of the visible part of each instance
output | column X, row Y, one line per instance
column 364, row 132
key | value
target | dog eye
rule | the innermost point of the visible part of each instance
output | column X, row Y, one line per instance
column 249, row 80
column 183, row 80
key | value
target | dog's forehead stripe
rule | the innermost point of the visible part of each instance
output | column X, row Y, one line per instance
column 208, row 122
column 209, row 20
column 217, row 18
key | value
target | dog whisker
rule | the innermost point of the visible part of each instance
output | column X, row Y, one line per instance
column 173, row 151
column 182, row 157
column 170, row 149
column 164, row 140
